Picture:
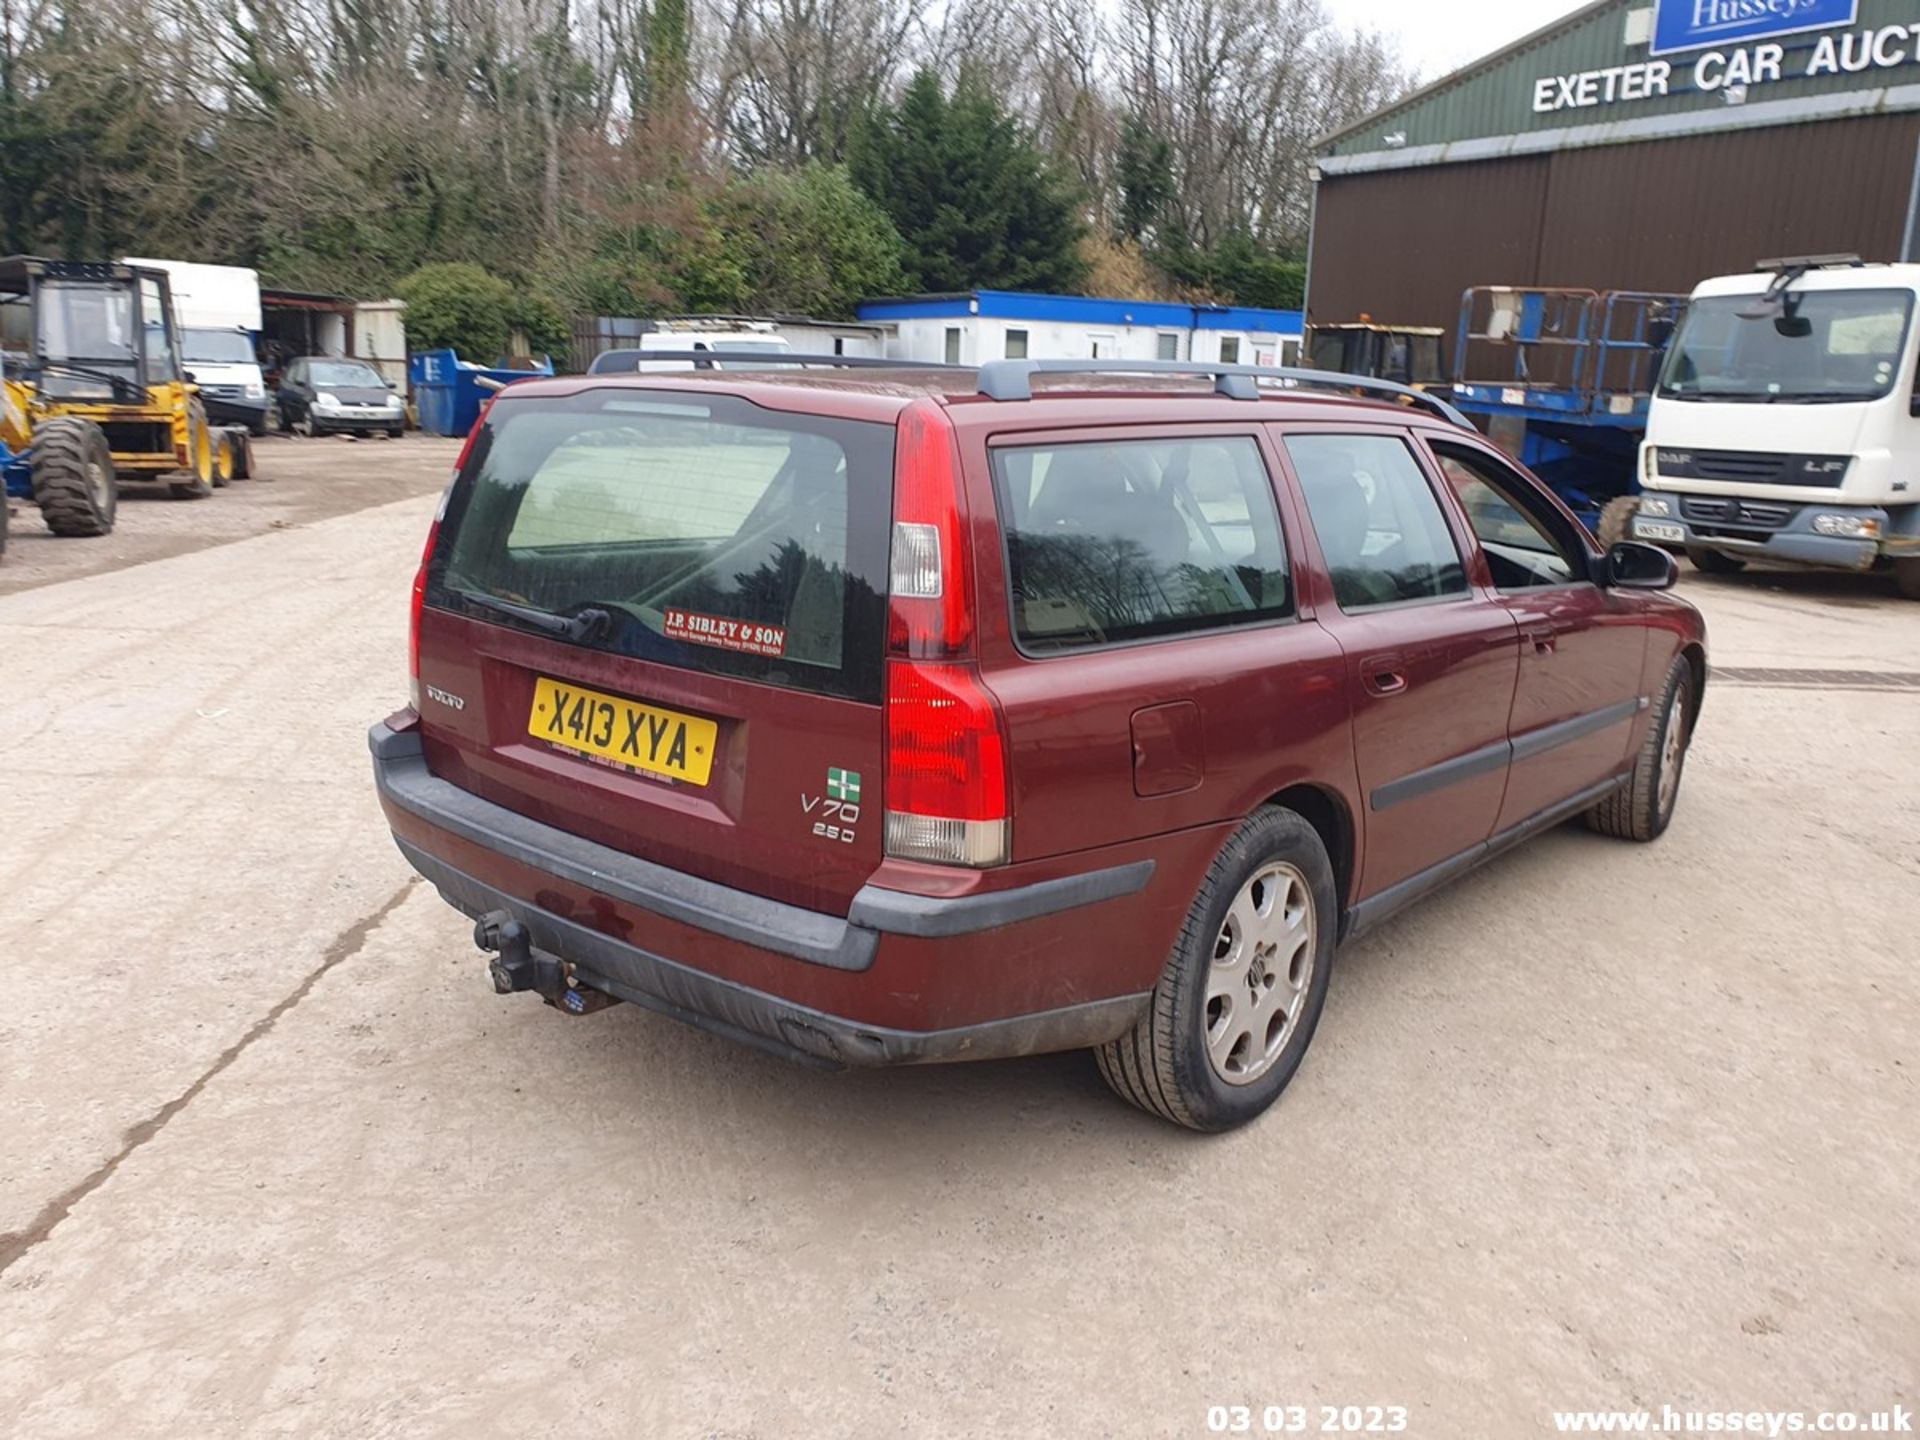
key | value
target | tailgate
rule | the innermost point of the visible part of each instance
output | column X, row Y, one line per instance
column 657, row 619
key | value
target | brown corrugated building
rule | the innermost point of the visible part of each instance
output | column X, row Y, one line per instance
column 1631, row 146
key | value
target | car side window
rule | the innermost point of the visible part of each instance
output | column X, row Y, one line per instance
column 1134, row 540
column 1522, row 551
column 1380, row 525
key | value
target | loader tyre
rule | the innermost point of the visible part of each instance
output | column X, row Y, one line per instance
column 73, row 479
column 199, row 479
column 1616, row 521
column 242, row 443
column 223, row 461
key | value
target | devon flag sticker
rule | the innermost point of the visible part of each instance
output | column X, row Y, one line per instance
column 843, row 785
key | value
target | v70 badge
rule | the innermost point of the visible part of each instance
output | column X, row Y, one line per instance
column 838, row 810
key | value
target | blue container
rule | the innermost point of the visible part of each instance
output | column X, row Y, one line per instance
column 447, row 391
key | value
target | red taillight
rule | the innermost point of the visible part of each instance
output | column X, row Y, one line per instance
column 419, row 602
column 946, row 783
column 930, row 616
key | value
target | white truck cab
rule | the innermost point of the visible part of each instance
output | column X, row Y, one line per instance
column 1786, row 422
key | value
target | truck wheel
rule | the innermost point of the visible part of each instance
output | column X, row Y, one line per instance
column 258, row 428
column 1236, row 1006
column 73, row 479
column 1642, row 809
column 1712, row 562
column 1906, row 574
column 1616, row 521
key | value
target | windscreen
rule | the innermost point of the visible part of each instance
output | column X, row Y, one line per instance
column 217, row 347
column 343, row 372
column 1816, row 347
column 697, row 531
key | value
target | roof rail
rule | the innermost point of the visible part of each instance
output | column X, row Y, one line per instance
column 1013, row 380
column 755, row 359
column 1811, row 262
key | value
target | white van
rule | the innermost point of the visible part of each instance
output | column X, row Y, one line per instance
column 217, row 308
column 740, row 345
column 1786, row 424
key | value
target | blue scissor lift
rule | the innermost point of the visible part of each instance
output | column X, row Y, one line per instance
column 1561, row 380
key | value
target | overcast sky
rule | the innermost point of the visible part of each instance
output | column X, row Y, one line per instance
column 1441, row 35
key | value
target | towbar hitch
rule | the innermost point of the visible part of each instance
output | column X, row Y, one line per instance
column 515, row 966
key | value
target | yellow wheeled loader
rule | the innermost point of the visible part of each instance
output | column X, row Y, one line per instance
column 94, row 392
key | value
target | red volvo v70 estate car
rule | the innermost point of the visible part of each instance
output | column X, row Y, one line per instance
column 879, row 716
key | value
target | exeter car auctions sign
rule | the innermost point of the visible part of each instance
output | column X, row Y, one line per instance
column 1733, row 71
column 1695, row 24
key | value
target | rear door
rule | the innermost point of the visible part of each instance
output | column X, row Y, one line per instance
column 1582, row 648
column 1431, row 658
column 656, row 619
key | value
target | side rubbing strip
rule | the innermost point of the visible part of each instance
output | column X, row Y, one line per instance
column 1493, row 757
column 1438, row 777
column 1538, row 742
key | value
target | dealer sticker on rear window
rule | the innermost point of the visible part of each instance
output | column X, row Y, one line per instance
column 724, row 634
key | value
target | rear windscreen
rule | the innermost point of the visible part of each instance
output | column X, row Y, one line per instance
column 698, row 531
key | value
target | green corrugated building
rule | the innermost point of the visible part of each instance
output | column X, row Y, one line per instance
column 1630, row 146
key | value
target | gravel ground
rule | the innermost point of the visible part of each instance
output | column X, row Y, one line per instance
column 1600, row 1126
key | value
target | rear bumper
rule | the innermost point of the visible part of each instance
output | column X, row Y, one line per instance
column 814, row 945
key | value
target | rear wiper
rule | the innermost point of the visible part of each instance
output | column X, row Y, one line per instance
column 582, row 626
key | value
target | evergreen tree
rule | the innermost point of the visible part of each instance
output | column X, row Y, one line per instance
column 1143, row 169
column 971, row 196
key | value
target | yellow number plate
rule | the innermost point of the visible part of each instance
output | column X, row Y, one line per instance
column 624, row 732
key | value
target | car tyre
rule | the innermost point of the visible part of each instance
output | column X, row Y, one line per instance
column 73, row 479
column 1616, row 521
column 1712, row 562
column 1643, row 808
column 396, row 432
column 1237, row 1004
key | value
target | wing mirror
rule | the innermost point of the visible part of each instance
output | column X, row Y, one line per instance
column 1633, row 566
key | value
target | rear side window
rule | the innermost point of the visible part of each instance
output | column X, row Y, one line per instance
column 1378, row 521
column 710, row 534
column 1135, row 540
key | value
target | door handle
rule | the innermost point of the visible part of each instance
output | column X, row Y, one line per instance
column 1384, row 675
column 1544, row 640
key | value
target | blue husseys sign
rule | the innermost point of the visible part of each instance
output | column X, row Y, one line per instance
column 1695, row 24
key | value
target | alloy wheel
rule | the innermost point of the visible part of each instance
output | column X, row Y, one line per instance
column 1262, row 970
